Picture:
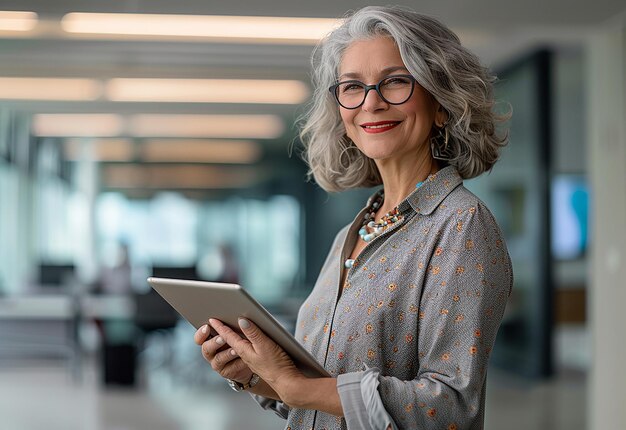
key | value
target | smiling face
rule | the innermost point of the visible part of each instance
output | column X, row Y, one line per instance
column 383, row 131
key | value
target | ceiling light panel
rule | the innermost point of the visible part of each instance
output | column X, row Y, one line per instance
column 99, row 149
column 177, row 177
column 207, row 90
column 66, row 89
column 200, row 151
column 75, row 125
column 218, row 126
column 17, row 21
column 159, row 126
column 263, row 29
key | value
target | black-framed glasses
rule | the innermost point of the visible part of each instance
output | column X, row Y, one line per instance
column 395, row 90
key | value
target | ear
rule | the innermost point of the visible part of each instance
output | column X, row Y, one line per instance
column 441, row 115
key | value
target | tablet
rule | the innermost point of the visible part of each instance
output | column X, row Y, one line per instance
column 197, row 301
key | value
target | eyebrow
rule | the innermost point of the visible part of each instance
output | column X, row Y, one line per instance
column 352, row 75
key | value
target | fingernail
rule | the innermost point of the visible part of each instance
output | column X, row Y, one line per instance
column 219, row 340
column 232, row 352
column 243, row 323
column 204, row 329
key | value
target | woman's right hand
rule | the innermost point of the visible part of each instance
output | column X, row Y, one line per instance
column 220, row 355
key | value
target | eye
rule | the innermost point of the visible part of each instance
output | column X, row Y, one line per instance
column 397, row 81
column 350, row 87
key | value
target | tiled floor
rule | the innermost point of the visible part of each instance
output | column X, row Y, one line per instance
column 515, row 404
column 40, row 397
column 183, row 394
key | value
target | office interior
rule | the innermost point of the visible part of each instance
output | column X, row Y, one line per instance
column 168, row 146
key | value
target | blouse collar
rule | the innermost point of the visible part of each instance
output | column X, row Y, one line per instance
column 425, row 199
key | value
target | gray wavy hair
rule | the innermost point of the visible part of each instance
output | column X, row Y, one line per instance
column 434, row 56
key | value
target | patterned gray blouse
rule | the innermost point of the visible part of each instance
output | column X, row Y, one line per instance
column 410, row 334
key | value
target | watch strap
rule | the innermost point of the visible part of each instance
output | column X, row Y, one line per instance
column 237, row 386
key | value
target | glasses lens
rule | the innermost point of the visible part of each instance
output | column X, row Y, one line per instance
column 396, row 89
column 350, row 94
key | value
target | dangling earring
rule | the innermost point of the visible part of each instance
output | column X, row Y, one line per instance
column 439, row 144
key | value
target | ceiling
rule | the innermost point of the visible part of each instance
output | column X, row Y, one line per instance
column 498, row 31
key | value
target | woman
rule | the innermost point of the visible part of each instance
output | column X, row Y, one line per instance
column 406, row 308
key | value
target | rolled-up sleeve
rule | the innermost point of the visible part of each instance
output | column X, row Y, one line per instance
column 463, row 299
column 361, row 403
column 279, row 408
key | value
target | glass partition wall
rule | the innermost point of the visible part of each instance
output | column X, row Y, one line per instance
column 518, row 193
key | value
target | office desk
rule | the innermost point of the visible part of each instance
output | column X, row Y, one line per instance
column 107, row 307
column 39, row 327
column 64, row 307
column 47, row 326
column 19, row 308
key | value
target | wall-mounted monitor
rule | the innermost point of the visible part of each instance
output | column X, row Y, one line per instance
column 570, row 216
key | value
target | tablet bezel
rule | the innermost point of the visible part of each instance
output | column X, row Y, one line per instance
column 197, row 301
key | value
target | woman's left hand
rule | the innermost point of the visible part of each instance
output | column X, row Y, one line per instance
column 262, row 355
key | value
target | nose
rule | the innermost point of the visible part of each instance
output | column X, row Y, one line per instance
column 373, row 102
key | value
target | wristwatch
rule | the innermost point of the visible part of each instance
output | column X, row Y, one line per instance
column 241, row 387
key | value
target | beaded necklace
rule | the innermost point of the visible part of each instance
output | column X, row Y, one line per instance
column 377, row 228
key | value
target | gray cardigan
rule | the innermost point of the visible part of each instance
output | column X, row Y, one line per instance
column 410, row 335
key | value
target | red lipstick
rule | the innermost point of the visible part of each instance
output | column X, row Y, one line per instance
column 379, row 126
